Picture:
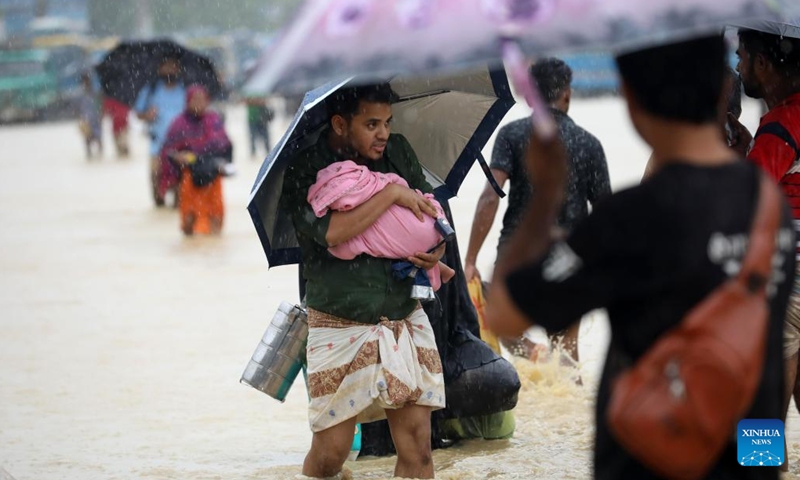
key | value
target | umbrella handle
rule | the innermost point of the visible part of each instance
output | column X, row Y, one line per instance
column 544, row 125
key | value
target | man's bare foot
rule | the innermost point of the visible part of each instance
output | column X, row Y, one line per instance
column 345, row 474
column 525, row 348
column 537, row 351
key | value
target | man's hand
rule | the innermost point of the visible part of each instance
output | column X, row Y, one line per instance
column 426, row 261
column 740, row 136
column 406, row 197
column 558, row 234
column 471, row 271
column 184, row 157
column 149, row 115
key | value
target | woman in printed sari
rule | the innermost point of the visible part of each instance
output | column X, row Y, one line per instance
column 197, row 147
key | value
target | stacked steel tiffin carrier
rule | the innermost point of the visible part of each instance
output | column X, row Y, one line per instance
column 280, row 354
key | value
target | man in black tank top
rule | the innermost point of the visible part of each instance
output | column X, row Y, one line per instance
column 651, row 253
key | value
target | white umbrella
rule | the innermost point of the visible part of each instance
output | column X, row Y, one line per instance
column 785, row 27
column 339, row 38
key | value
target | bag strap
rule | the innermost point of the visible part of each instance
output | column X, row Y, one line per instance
column 778, row 130
column 757, row 263
column 490, row 176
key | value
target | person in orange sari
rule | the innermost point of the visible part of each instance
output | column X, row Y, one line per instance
column 197, row 144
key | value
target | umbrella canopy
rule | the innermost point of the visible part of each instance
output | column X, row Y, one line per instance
column 131, row 66
column 446, row 119
column 784, row 26
column 336, row 38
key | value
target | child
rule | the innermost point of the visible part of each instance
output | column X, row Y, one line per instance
column 91, row 115
column 396, row 234
column 118, row 112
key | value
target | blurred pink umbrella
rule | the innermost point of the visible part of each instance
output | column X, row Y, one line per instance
column 330, row 39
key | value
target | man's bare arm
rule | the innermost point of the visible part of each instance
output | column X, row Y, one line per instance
column 485, row 212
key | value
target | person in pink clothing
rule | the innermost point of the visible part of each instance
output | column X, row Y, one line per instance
column 397, row 234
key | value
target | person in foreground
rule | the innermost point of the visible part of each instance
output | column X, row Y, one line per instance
column 588, row 182
column 651, row 253
column 371, row 349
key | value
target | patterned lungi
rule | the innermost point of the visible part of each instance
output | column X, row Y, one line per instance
column 358, row 370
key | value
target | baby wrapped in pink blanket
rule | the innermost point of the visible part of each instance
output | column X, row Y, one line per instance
column 396, row 234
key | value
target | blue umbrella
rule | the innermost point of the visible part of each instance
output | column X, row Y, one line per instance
column 447, row 120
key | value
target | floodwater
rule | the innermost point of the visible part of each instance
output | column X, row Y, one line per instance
column 123, row 342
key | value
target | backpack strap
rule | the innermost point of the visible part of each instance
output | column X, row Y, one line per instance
column 489, row 176
column 778, row 130
column 757, row 264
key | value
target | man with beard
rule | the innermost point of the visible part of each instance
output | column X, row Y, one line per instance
column 158, row 105
column 770, row 69
column 371, row 350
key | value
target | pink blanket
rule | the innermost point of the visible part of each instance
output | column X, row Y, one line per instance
column 396, row 234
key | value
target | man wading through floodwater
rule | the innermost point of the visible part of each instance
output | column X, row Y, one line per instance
column 371, row 350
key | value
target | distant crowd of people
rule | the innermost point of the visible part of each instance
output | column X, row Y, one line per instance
column 190, row 150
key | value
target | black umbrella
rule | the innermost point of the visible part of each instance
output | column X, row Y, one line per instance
column 131, row 66
column 447, row 119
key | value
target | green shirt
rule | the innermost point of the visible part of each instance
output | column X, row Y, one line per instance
column 362, row 289
column 257, row 113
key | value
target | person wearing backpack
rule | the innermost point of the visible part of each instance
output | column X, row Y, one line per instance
column 770, row 69
column 694, row 267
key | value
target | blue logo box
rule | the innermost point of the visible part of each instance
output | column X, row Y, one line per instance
column 760, row 443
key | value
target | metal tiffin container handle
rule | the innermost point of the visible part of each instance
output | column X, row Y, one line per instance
column 280, row 353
